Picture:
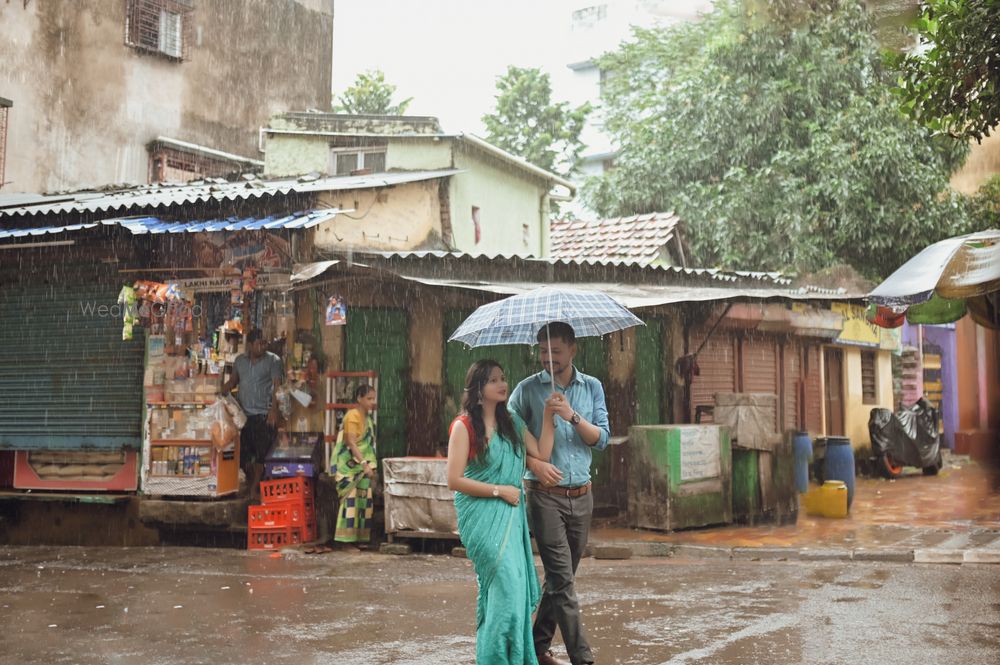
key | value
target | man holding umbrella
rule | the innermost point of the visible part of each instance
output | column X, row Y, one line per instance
column 560, row 503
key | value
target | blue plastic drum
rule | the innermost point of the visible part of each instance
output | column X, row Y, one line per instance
column 802, row 448
column 839, row 464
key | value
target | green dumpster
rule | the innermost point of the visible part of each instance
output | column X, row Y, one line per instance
column 764, row 484
column 680, row 476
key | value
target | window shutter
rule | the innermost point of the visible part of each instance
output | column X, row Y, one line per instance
column 869, row 389
column 170, row 34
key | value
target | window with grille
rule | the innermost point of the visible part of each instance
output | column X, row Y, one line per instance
column 346, row 161
column 173, row 165
column 159, row 26
column 869, row 377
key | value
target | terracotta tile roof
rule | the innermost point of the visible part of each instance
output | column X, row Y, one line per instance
column 639, row 238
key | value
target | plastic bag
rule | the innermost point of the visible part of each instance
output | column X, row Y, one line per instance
column 235, row 411
column 284, row 396
column 223, row 430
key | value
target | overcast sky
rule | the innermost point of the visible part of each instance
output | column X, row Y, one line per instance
column 447, row 54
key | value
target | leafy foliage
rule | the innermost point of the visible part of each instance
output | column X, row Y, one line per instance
column 527, row 123
column 371, row 95
column 954, row 86
column 770, row 129
column 985, row 205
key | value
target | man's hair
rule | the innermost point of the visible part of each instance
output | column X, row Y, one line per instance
column 557, row 330
column 255, row 335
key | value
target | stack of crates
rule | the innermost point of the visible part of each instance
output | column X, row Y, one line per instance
column 286, row 517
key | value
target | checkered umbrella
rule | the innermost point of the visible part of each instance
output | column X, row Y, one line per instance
column 517, row 320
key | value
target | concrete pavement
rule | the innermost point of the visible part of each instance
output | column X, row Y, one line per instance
column 191, row 606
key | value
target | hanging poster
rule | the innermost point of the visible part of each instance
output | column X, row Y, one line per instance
column 336, row 311
column 699, row 453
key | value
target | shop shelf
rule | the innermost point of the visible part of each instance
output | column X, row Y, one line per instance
column 165, row 404
column 195, row 443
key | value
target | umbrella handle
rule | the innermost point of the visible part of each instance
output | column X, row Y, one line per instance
column 548, row 340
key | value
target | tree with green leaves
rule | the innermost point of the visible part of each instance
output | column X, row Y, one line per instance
column 770, row 129
column 371, row 95
column 954, row 85
column 527, row 123
column 985, row 205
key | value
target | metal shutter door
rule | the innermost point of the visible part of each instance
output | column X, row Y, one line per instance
column 67, row 380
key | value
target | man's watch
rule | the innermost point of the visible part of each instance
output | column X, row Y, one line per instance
column 574, row 419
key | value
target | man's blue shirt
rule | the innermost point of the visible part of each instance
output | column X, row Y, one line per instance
column 569, row 453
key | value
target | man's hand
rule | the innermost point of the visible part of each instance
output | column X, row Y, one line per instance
column 558, row 404
column 547, row 474
column 272, row 418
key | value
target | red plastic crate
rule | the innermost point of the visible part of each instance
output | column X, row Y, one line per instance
column 269, row 516
column 281, row 514
column 287, row 489
column 271, row 538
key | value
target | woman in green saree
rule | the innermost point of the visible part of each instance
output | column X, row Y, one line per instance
column 486, row 461
column 355, row 462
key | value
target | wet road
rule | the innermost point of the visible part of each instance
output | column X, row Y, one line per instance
column 161, row 606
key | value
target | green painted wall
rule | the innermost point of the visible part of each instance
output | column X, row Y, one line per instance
column 418, row 154
column 507, row 198
column 376, row 339
column 288, row 155
column 650, row 409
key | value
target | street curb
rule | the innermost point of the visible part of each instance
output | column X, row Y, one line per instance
column 765, row 553
column 887, row 554
column 807, row 554
column 938, row 556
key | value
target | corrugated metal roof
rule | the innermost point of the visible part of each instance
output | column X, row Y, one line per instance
column 155, row 196
column 630, row 290
column 711, row 273
column 143, row 225
column 639, row 238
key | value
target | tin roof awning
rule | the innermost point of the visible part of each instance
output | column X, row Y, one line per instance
column 143, row 225
column 15, row 206
column 643, row 289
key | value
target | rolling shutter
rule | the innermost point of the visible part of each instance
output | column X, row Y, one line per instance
column 67, row 380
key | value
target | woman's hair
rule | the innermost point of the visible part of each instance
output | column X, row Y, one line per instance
column 362, row 390
column 475, row 379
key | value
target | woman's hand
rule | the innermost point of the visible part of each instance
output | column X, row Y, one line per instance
column 510, row 494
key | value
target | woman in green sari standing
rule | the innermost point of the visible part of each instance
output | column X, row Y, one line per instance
column 486, row 461
column 355, row 463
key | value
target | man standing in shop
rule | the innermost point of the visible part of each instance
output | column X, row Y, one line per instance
column 560, row 503
column 257, row 374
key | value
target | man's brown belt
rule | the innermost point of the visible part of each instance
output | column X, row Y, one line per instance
column 570, row 492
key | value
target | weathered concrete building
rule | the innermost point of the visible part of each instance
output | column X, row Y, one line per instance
column 494, row 202
column 133, row 91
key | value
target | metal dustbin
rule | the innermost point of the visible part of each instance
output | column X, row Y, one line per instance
column 681, row 476
column 746, row 486
column 764, row 486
